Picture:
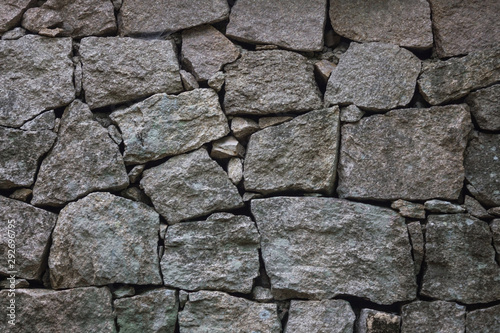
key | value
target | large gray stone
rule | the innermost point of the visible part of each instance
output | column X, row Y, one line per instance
column 373, row 321
column 444, row 81
column 218, row 254
column 417, row 244
column 156, row 17
column 153, row 311
column 189, row 186
column 74, row 310
column 214, row 311
column 482, row 168
column 374, row 76
column 318, row 248
column 84, row 159
column 117, row 70
column 11, row 12
column 104, row 239
column 385, row 157
column 405, row 23
column 276, row 22
column 460, row 260
column 483, row 320
column 31, row 232
column 333, row 316
column 299, row 155
column 36, row 74
column 461, row 27
column 165, row 125
column 431, row 317
column 484, row 105
column 267, row 82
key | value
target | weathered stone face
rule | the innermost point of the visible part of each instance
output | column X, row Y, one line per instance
column 372, row 321
column 357, row 249
column 384, row 157
column 430, row 317
column 267, row 82
column 484, row 105
column 104, row 239
column 417, row 244
column 11, row 12
column 36, row 75
column 483, row 320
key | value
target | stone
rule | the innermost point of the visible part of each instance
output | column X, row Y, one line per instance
column 475, row 209
column 324, row 68
column 373, row 321
column 247, row 196
column 460, row 260
column 216, row 81
column 17, row 284
column 461, row 27
column 275, row 22
column 38, row 18
column 37, row 75
column 183, row 298
column 215, row 311
column 165, row 125
column 495, row 211
column 417, row 244
column 11, row 12
column 265, row 122
column 123, row 291
column 483, row 320
column 44, row 121
column 299, row 155
column 115, row 134
column 381, row 156
column 335, row 316
column 188, row 81
column 227, row 147
column 374, row 76
column 83, row 160
column 214, row 255
column 31, row 230
column 153, row 17
column 205, row 50
column 332, row 39
column 235, row 170
column 134, row 193
column 73, row 310
column 189, row 186
column 495, row 229
column 56, row 32
column 152, row 311
column 118, row 70
column 15, row 33
column 243, row 127
column 484, row 107
column 440, row 206
column 351, row 114
column 261, row 294
column 22, row 194
column 430, row 317
column 20, row 153
column 444, row 81
column 482, row 168
column 104, row 239
column 409, row 209
column 404, row 23
column 356, row 249
column 270, row 82
column 135, row 174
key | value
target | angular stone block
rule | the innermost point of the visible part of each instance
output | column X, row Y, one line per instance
column 484, row 105
column 431, row 317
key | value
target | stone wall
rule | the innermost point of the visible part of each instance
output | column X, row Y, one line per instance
column 250, row 166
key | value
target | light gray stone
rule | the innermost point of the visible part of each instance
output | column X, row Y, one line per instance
column 188, row 186
column 44, row 121
column 417, row 243
column 84, row 159
column 227, row 147
column 318, row 248
column 324, row 69
column 165, row 125
column 247, row 196
column 265, row 122
column 104, row 239
column 475, row 209
column 15, row 33
column 216, row 81
column 440, row 206
column 381, row 157
column 115, row 134
column 484, row 106
column 11, row 12
column 135, row 193
column 261, row 294
column 351, row 114
column 122, row 291
column 11, row 283
column 409, row 209
column 483, row 320
column 460, row 260
column 270, row 82
column 243, row 127
column 136, row 173
column 431, row 317
column 188, row 81
column 299, row 155
column 117, row 70
column 495, row 211
column 37, row 75
column 235, row 170
column 373, row 321
column 374, row 76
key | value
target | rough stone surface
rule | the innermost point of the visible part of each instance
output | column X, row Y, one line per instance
column 381, row 157
column 36, row 74
column 74, row 310
column 417, row 243
column 15, row 33
column 188, row 186
column 484, row 105
column 165, row 125
column 461, row 27
column 154, row 311
column 243, row 127
column 322, row 247
column 444, row 81
column 155, row 17
column 22, row 194
column 214, row 311
column 18, row 283
column 104, row 239
column 440, row 206
column 220, row 254
column 351, row 114
column 261, row 294
column 115, row 134
column 431, row 317
column 122, row 291
column 31, row 232
column 334, row 316
column 483, row 320
column 374, row 76
column 372, row 321
column 135, row 174
column 274, row 22
column 324, row 69
column 495, row 229
column 11, row 12
column 216, row 81
column 205, row 50
column 409, row 209
column 188, row 80
column 495, row 211
column 84, row 159
column 226, row 148
column 482, row 168
column 299, row 155
column 460, row 260
column 44, row 121
column 475, row 209
column 235, row 170
column 265, row 122
column 267, row 82
column 117, row 70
